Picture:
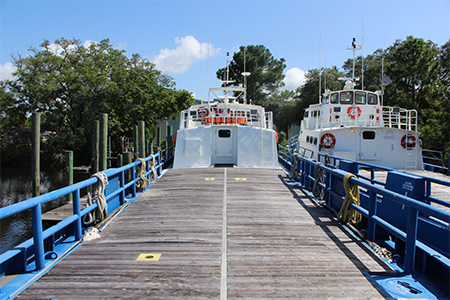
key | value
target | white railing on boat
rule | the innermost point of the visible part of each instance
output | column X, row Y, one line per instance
column 396, row 117
column 243, row 117
column 391, row 117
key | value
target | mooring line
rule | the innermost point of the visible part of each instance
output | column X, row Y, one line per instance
column 224, row 267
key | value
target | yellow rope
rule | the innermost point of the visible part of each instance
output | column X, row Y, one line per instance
column 143, row 183
column 318, row 191
column 347, row 214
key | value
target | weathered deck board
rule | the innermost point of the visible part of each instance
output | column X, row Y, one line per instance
column 279, row 245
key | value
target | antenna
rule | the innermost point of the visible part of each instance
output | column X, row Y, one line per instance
column 354, row 48
column 320, row 58
column 209, row 71
column 362, row 52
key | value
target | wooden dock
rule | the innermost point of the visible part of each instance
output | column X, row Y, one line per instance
column 221, row 233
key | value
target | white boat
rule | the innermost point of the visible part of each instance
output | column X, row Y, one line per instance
column 226, row 131
column 353, row 124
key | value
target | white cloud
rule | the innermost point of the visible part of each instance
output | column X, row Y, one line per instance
column 294, row 78
column 180, row 59
column 6, row 71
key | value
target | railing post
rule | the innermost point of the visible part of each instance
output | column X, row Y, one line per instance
column 133, row 179
column 38, row 238
column 411, row 236
column 122, row 184
column 35, row 148
column 371, row 226
column 77, row 211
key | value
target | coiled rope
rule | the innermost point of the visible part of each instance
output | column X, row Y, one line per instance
column 96, row 194
column 348, row 214
column 143, row 183
column 318, row 190
column 153, row 176
column 294, row 173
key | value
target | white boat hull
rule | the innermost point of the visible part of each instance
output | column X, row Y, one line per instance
column 240, row 146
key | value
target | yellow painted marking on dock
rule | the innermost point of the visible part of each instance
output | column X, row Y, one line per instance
column 209, row 178
column 149, row 256
column 240, row 179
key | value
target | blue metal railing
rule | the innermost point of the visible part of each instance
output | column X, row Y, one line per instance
column 45, row 245
column 434, row 161
column 416, row 210
column 357, row 166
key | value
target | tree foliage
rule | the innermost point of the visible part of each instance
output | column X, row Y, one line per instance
column 72, row 83
column 415, row 69
column 291, row 112
column 266, row 72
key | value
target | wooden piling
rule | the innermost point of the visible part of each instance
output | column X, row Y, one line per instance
column 127, row 159
column 141, row 139
column 103, row 142
column 69, row 171
column 35, row 156
column 119, row 160
column 96, row 146
column 135, row 140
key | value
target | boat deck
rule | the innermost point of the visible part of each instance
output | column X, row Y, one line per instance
column 227, row 233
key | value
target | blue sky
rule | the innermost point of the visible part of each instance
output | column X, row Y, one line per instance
column 170, row 33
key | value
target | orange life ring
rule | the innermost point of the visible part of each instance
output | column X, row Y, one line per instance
column 354, row 112
column 408, row 141
column 202, row 112
column 327, row 141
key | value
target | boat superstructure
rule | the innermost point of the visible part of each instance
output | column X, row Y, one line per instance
column 226, row 131
column 354, row 124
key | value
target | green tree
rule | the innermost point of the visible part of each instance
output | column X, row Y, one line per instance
column 291, row 112
column 372, row 70
column 72, row 84
column 415, row 69
column 444, row 57
column 266, row 72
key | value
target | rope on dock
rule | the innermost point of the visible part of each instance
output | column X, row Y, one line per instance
column 97, row 195
column 347, row 214
column 318, row 191
column 294, row 173
column 143, row 183
column 153, row 176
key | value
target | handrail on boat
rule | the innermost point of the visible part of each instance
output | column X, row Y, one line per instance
column 416, row 210
column 37, row 252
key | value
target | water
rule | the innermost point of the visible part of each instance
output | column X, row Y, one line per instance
column 16, row 186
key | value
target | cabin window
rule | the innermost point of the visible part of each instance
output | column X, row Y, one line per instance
column 373, row 99
column 346, row 97
column 360, row 98
column 307, row 138
column 306, row 114
column 334, row 98
column 368, row 135
column 315, row 141
column 193, row 113
column 315, row 113
column 225, row 133
column 318, row 113
column 337, row 109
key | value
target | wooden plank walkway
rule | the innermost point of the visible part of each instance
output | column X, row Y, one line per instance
column 223, row 233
